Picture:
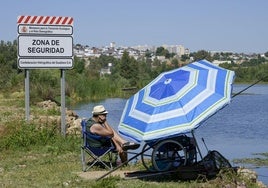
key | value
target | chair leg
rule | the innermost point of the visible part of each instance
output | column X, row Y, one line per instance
column 95, row 159
column 99, row 159
column 83, row 160
column 112, row 159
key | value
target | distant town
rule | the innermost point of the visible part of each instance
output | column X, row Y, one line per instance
column 84, row 51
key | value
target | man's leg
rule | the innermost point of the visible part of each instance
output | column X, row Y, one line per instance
column 117, row 138
column 122, row 154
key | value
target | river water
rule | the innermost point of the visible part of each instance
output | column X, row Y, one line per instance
column 240, row 130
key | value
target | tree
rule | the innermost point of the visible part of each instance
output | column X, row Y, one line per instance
column 148, row 54
column 144, row 73
column 202, row 54
column 175, row 63
column 161, row 51
column 8, row 64
column 129, row 68
column 79, row 65
column 184, row 57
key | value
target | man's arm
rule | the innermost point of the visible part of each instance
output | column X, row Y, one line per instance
column 102, row 130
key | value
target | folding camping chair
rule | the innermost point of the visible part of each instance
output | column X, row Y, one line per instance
column 96, row 154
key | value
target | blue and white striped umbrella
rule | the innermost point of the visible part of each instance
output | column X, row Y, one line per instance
column 176, row 101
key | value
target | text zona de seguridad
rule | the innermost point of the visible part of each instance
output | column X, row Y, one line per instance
column 43, row 48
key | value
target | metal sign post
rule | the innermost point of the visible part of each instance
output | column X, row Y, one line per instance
column 27, row 95
column 63, row 111
column 45, row 42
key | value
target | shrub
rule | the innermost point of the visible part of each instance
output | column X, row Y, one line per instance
column 23, row 136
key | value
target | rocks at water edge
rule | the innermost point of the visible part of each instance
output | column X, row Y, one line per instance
column 73, row 122
column 250, row 175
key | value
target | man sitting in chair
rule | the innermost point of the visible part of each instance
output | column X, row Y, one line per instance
column 98, row 125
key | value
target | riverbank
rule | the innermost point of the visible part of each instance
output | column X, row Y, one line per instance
column 36, row 155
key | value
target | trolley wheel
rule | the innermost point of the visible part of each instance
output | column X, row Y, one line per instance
column 146, row 157
column 168, row 154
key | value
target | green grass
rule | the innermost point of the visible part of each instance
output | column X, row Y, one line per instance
column 37, row 169
column 51, row 160
column 53, row 165
column 35, row 155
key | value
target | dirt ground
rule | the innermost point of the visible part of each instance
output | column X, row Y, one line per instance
column 97, row 174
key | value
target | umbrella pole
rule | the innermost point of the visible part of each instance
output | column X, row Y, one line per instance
column 196, row 144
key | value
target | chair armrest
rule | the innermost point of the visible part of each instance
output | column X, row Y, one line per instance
column 97, row 137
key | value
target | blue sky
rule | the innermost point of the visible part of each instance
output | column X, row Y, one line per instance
column 220, row 25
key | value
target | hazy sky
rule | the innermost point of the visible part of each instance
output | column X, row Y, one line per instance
column 221, row 25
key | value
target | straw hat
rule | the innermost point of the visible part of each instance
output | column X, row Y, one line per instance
column 97, row 110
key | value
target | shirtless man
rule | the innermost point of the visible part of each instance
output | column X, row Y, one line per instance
column 98, row 125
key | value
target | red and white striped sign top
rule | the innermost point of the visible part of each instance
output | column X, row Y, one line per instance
column 45, row 20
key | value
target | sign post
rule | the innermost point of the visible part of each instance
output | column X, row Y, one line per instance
column 45, row 42
column 63, row 115
column 27, row 94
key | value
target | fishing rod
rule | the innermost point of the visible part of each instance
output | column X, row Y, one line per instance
column 249, row 86
column 232, row 97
